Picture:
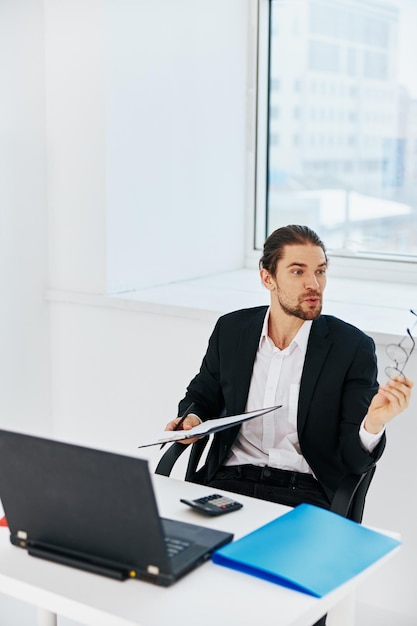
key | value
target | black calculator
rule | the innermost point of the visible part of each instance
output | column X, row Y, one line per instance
column 214, row 504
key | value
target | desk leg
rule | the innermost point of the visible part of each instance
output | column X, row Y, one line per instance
column 46, row 618
column 343, row 614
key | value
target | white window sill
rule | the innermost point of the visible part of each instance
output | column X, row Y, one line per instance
column 381, row 309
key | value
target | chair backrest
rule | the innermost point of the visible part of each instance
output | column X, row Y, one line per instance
column 349, row 500
column 350, row 496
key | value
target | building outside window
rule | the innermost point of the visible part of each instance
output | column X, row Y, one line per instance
column 346, row 159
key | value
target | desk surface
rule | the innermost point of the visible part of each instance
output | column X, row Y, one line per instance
column 208, row 592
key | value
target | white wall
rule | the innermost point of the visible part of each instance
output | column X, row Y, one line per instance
column 24, row 331
column 175, row 143
column 146, row 106
column 118, row 374
column 76, row 143
column 122, row 163
column 146, row 132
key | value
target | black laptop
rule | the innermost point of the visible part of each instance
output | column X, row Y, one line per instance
column 96, row 511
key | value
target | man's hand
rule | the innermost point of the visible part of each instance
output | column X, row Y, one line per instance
column 391, row 399
column 190, row 421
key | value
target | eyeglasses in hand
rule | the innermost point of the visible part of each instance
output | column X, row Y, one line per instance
column 399, row 353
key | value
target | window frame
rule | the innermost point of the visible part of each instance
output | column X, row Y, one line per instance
column 344, row 263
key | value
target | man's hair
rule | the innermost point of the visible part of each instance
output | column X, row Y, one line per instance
column 287, row 236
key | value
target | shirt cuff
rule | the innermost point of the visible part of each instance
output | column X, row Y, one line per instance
column 194, row 415
column 368, row 440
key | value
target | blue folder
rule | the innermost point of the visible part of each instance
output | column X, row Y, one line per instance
column 308, row 549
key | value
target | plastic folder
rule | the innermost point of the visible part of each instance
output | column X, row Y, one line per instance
column 308, row 549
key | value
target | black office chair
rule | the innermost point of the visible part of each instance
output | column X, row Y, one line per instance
column 171, row 456
column 349, row 500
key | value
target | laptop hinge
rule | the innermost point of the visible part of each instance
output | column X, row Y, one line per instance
column 85, row 562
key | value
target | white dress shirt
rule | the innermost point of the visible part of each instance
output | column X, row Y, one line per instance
column 272, row 439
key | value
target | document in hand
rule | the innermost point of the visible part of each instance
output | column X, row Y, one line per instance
column 309, row 549
column 207, row 427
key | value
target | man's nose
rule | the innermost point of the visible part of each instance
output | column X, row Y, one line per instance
column 311, row 282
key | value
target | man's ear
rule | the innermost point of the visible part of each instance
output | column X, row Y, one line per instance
column 267, row 279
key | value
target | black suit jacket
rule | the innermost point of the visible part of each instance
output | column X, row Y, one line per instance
column 338, row 381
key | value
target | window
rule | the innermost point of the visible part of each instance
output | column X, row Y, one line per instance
column 346, row 162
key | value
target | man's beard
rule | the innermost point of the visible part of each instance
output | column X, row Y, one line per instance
column 298, row 311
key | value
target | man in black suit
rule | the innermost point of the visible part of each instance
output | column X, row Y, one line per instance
column 322, row 371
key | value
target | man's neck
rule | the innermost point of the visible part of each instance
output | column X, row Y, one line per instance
column 282, row 328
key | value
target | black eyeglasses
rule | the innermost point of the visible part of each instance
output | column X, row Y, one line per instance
column 400, row 353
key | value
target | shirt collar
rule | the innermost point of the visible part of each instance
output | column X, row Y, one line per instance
column 301, row 338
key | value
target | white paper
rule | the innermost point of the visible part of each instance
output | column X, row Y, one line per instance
column 207, row 427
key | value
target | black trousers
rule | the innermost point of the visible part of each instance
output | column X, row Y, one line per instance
column 275, row 485
column 268, row 483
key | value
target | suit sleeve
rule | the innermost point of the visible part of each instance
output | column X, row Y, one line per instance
column 205, row 389
column 345, row 382
column 360, row 387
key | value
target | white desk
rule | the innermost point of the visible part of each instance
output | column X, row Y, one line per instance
column 208, row 592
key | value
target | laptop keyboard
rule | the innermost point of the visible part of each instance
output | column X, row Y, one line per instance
column 174, row 546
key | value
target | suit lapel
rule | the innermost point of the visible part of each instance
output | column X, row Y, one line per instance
column 317, row 349
column 245, row 356
column 243, row 360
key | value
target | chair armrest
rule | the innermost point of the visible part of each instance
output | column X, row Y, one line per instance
column 170, row 457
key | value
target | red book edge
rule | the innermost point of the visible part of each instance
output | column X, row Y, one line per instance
column 3, row 521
